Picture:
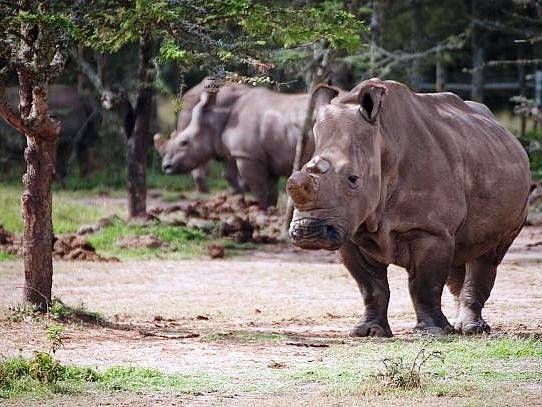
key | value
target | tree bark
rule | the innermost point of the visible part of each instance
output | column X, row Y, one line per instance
column 38, row 225
column 440, row 74
column 139, row 139
column 415, row 44
column 477, row 81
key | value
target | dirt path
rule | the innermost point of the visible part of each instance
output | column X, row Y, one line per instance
column 200, row 315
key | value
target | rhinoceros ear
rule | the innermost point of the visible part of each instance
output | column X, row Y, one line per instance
column 370, row 98
column 208, row 98
column 159, row 143
column 323, row 94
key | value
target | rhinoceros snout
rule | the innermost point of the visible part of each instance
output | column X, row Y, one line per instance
column 167, row 168
column 300, row 188
column 315, row 234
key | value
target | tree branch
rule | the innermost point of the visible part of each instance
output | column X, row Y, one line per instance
column 11, row 118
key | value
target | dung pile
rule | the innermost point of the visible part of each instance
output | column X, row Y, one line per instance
column 224, row 215
column 10, row 242
column 65, row 247
column 74, row 247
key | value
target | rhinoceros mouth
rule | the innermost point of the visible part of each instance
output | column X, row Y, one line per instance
column 315, row 234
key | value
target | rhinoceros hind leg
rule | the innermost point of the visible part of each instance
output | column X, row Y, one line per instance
column 479, row 279
column 273, row 188
column 455, row 284
column 372, row 280
column 255, row 175
column 430, row 267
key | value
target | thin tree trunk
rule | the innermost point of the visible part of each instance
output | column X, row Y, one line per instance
column 139, row 140
column 415, row 44
column 440, row 84
column 477, row 81
column 38, row 225
column 522, row 91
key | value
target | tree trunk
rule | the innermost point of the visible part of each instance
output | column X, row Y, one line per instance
column 38, row 225
column 440, row 83
column 139, row 139
column 477, row 81
column 415, row 44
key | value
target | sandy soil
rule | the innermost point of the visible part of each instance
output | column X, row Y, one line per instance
column 165, row 311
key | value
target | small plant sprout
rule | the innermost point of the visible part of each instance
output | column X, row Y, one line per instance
column 400, row 373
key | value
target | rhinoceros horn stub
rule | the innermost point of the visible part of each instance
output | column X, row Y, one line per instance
column 300, row 188
column 159, row 142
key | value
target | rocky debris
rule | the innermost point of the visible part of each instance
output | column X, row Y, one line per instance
column 215, row 251
column 238, row 228
column 136, row 242
column 222, row 215
column 10, row 242
column 65, row 247
column 74, row 247
column 102, row 224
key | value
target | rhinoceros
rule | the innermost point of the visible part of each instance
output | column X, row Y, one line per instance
column 427, row 182
column 77, row 116
column 259, row 138
column 191, row 134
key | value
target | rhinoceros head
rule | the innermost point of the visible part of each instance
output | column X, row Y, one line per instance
column 192, row 146
column 337, row 190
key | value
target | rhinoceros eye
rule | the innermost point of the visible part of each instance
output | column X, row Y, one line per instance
column 183, row 143
column 353, row 180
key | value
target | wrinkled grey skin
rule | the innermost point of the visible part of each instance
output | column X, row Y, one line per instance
column 424, row 181
column 195, row 142
column 261, row 137
column 76, row 115
column 258, row 138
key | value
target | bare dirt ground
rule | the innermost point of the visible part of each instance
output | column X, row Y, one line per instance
column 177, row 316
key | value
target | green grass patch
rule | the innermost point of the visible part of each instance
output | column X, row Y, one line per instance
column 69, row 213
column 467, row 365
column 177, row 239
column 43, row 375
column 4, row 256
column 244, row 337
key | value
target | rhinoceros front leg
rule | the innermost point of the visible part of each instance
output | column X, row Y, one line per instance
column 199, row 176
column 479, row 280
column 430, row 266
column 372, row 280
column 255, row 175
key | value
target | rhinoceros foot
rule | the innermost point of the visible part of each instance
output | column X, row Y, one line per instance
column 430, row 328
column 472, row 327
column 371, row 328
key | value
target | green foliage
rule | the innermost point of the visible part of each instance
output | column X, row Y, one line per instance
column 177, row 238
column 68, row 213
column 533, row 142
column 62, row 312
column 22, row 312
column 43, row 375
column 53, row 333
column 210, row 33
column 4, row 256
column 401, row 373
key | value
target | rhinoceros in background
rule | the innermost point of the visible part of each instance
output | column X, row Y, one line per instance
column 177, row 153
column 424, row 181
column 259, row 137
column 78, row 131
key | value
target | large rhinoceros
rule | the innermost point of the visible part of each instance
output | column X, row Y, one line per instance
column 78, row 131
column 424, row 181
column 177, row 152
